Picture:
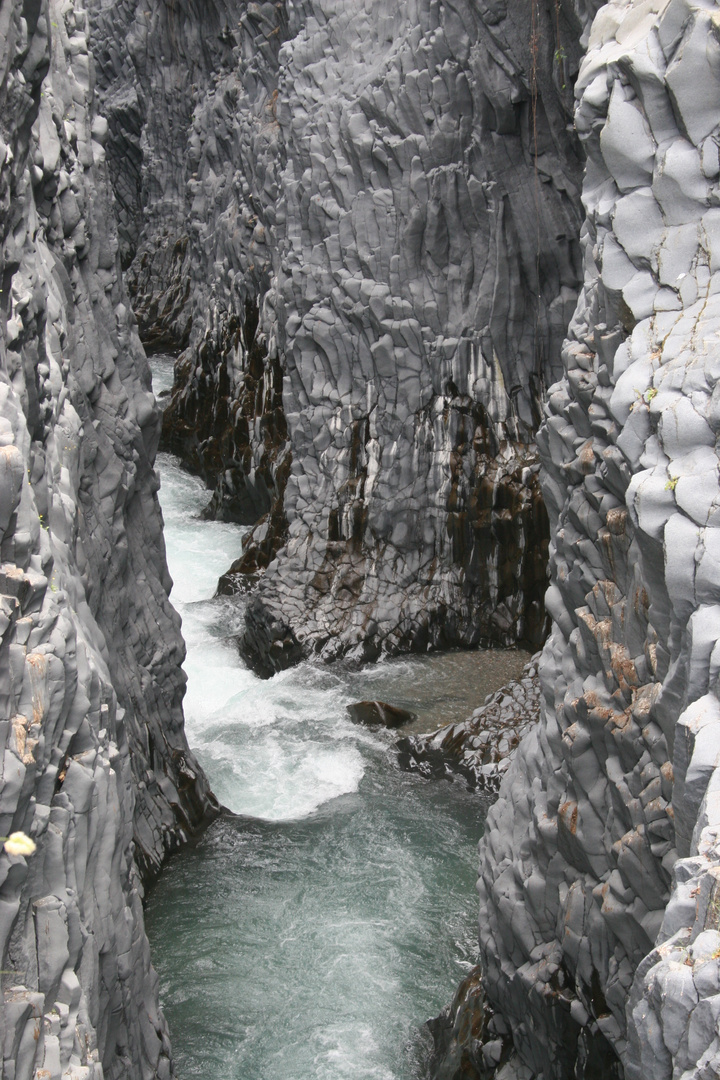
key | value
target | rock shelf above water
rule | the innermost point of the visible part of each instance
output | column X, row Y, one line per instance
column 481, row 748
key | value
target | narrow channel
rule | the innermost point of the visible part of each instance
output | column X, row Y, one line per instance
column 310, row 934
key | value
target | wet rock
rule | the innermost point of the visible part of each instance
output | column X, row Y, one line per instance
column 481, row 748
column 380, row 713
column 466, row 1042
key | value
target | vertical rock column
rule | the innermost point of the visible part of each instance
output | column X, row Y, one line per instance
column 426, row 264
column 578, row 857
column 193, row 152
column 365, row 240
column 95, row 765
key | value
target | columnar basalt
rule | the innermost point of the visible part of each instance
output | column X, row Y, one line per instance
column 418, row 302
column 395, row 191
column 193, row 151
column 359, row 223
column 579, row 859
column 416, row 319
column 481, row 748
column 96, row 767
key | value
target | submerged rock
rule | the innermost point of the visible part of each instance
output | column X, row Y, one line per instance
column 480, row 748
column 379, row 712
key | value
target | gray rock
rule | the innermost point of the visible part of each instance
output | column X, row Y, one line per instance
column 342, row 235
column 353, row 231
column 595, row 937
column 481, row 748
column 95, row 765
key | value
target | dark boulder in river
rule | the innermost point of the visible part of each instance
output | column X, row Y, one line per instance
column 379, row 712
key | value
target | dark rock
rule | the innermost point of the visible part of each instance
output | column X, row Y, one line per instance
column 481, row 748
column 410, row 281
column 379, row 712
column 469, row 1042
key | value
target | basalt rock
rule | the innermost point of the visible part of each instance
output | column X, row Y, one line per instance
column 393, row 192
column 193, row 151
column 380, row 713
column 413, row 352
column 467, row 1044
column 228, row 425
column 95, row 763
column 481, row 748
column 599, row 864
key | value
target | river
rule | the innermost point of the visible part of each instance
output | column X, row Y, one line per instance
column 309, row 934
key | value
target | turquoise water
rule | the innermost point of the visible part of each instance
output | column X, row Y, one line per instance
column 317, row 948
column 309, row 934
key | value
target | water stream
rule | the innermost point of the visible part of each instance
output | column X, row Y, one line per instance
column 309, row 936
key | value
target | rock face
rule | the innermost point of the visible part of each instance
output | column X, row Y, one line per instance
column 415, row 315
column 604, row 839
column 193, row 152
column 375, row 210
column 481, row 748
column 359, row 223
column 96, row 767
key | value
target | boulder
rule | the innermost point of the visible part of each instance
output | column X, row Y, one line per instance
column 379, row 713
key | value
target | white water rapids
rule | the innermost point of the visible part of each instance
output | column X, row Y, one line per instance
column 310, row 936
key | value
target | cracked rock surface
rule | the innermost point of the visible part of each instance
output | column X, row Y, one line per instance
column 375, row 209
column 95, row 766
column 604, row 838
column 481, row 748
column 345, row 247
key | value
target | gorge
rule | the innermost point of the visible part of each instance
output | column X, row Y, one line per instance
column 266, row 968
column 441, row 282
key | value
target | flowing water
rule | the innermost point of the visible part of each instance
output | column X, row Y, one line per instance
column 310, row 933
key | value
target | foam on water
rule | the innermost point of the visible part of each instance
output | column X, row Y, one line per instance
column 310, row 937
column 315, row 949
column 276, row 749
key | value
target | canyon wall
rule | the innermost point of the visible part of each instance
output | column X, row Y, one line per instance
column 415, row 307
column 599, row 921
column 357, row 226
column 95, row 763
column 359, row 222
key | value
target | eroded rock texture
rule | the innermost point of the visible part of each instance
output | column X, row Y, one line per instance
column 377, row 207
column 419, row 293
column 481, row 748
column 95, row 763
column 190, row 94
column 579, row 870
